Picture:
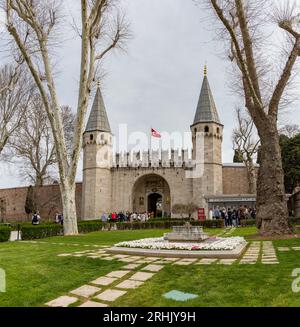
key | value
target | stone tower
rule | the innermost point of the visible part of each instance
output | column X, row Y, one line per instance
column 207, row 132
column 97, row 162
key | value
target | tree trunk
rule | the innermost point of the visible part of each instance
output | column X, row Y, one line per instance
column 251, row 176
column 272, row 212
column 69, row 208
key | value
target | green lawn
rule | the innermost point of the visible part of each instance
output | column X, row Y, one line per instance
column 35, row 274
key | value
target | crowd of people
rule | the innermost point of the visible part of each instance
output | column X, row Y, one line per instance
column 232, row 216
column 126, row 216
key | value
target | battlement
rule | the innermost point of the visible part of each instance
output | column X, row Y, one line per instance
column 158, row 158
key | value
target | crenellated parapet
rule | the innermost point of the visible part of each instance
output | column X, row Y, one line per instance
column 153, row 159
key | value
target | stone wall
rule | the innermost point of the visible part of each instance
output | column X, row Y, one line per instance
column 235, row 180
column 47, row 199
column 124, row 181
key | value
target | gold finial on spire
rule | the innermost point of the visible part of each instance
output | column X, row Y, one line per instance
column 205, row 70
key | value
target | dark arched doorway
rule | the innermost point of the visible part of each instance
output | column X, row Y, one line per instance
column 151, row 193
column 155, row 204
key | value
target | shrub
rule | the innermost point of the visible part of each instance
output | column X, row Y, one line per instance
column 294, row 220
column 31, row 232
column 89, row 226
column 4, row 234
column 248, row 222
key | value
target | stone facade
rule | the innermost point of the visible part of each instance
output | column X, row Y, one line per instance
column 47, row 199
column 153, row 181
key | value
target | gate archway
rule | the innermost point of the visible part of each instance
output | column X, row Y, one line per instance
column 151, row 193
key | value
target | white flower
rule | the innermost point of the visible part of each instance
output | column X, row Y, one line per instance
column 158, row 243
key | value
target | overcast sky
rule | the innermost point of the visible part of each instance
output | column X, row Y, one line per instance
column 157, row 81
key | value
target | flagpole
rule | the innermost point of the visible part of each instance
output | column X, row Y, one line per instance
column 150, row 150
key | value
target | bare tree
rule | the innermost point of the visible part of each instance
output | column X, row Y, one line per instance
column 33, row 148
column 245, row 142
column 290, row 130
column 244, row 29
column 14, row 96
column 33, row 26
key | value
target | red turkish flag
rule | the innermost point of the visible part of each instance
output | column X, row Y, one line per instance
column 155, row 133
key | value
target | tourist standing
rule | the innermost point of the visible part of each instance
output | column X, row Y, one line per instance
column 229, row 214
column 36, row 218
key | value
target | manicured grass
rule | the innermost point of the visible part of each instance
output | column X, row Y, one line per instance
column 36, row 275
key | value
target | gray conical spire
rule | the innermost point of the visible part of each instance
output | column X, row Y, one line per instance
column 98, row 120
column 206, row 108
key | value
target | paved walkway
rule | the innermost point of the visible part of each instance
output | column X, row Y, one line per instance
column 104, row 290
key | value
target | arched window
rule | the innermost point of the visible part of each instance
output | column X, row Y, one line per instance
column 195, row 130
column 102, row 137
column 206, row 129
column 91, row 137
column 218, row 130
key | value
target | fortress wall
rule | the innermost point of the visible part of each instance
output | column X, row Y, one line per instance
column 47, row 199
column 235, row 180
column 124, row 180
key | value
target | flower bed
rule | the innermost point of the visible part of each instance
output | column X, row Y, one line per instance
column 158, row 243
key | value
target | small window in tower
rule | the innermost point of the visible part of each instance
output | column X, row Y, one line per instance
column 102, row 137
column 195, row 130
column 218, row 130
column 206, row 129
column 91, row 137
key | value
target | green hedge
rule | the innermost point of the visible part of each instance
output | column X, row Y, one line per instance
column 294, row 220
column 89, row 226
column 31, row 232
column 150, row 224
column 248, row 222
column 4, row 234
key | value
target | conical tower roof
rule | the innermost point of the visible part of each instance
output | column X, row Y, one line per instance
column 206, row 108
column 98, row 120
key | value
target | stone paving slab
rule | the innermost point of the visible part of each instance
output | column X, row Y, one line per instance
column 121, row 256
column 64, row 254
column 86, row 290
column 226, row 261
column 142, row 276
column 153, row 267
column 118, row 273
column 127, row 259
column 104, row 281
column 141, row 261
column 62, row 301
column 108, row 258
column 92, row 304
column 110, row 295
column 171, row 259
column 270, row 262
column 129, row 284
column 131, row 266
column 282, row 249
column 296, row 248
column 182, row 263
